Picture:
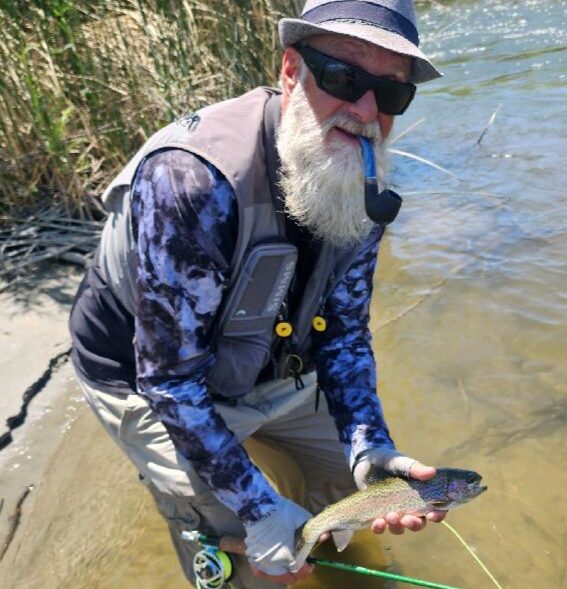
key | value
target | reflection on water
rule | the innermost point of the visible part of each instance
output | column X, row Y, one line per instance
column 469, row 322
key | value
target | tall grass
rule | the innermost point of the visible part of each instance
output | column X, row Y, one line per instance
column 85, row 82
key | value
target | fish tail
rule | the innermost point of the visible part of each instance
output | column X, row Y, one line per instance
column 302, row 551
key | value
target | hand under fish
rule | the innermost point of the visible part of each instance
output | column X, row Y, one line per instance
column 393, row 463
column 383, row 496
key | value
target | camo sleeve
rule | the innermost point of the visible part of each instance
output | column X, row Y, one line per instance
column 345, row 362
column 185, row 217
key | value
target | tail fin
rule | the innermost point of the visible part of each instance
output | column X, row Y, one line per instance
column 302, row 549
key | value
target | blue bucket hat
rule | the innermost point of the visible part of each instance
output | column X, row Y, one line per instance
column 390, row 24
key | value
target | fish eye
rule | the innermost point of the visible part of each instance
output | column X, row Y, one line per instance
column 472, row 478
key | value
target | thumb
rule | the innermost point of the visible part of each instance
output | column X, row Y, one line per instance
column 421, row 472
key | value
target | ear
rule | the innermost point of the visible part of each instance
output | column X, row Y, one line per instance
column 291, row 68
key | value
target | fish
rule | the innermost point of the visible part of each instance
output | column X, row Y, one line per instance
column 384, row 493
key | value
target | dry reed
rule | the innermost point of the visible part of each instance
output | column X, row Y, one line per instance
column 85, row 82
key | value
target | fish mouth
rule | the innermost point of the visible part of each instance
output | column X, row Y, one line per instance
column 480, row 489
column 475, row 488
column 473, row 484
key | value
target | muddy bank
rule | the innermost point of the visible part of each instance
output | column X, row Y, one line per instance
column 89, row 521
column 33, row 332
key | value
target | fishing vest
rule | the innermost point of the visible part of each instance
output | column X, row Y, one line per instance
column 237, row 136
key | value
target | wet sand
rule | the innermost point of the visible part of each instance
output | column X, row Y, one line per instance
column 86, row 509
column 32, row 331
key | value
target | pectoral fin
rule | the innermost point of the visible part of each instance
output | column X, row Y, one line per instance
column 341, row 538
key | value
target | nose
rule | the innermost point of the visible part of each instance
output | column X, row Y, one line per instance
column 365, row 109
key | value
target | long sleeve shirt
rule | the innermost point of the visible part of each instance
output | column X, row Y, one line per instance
column 184, row 257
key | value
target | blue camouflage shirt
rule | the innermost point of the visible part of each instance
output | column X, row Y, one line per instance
column 183, row 270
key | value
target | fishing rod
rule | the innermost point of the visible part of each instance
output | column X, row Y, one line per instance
column 213, row 566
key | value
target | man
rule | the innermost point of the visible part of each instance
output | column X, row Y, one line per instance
column 232, row 287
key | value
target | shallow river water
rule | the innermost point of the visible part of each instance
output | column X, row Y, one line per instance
column 470, row 314
column 469, row 322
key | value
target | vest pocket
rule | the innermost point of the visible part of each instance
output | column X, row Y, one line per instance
column 238, row 362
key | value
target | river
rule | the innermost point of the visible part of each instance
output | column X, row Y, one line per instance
column 470, row 313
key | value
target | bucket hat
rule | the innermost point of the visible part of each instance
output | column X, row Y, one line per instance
column 390, row 24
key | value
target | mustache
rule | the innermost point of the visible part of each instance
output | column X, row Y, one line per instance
column 344, row 122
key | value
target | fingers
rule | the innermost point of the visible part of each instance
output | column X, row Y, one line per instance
column 413, row 522
column 394, row 524
column 379, row 525
column 391, row 522
column 288, row 578
column 421, row 472
column 436, row 516
column 304, row 571
column 397, row 524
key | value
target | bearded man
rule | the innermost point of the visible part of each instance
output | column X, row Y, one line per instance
column 229, row 297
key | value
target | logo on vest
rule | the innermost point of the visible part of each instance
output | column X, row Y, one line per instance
column 190, row 121
column 281, row 288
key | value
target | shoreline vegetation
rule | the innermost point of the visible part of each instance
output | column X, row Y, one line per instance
column 86, row 82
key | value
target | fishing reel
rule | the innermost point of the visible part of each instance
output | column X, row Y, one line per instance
column 213, row 568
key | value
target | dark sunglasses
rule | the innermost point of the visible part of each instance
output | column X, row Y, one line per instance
column 347, row 82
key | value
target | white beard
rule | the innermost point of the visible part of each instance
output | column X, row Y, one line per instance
column 323, row 183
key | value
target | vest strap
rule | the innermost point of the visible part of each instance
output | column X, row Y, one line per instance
column 272, row 115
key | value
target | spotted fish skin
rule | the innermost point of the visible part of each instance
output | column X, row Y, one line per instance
column 449, row 488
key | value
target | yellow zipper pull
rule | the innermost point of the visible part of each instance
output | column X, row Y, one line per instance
column 284, row 329
column 319, row 323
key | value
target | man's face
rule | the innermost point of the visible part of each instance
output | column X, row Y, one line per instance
column 322, row 176
column 375, row 60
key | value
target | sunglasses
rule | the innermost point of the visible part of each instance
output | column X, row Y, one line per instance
column 347, row 82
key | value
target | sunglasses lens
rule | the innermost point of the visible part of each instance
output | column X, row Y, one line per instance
column 339, row 80
column 393, row 98
column 346, row 82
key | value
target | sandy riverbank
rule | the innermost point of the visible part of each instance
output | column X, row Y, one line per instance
column 33, row 331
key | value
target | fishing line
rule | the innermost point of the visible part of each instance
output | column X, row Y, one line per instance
column 471, row 551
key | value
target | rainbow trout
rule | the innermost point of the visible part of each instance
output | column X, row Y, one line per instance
column 449, row 488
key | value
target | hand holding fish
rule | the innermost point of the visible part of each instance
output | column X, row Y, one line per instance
column 270, row 544
column 390, row 498
column 393, row 462
column 397, row 523
column 424, row 492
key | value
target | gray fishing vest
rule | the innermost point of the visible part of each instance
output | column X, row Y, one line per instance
column 237, row 137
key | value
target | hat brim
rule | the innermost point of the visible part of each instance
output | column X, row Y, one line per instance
column 293, row 30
